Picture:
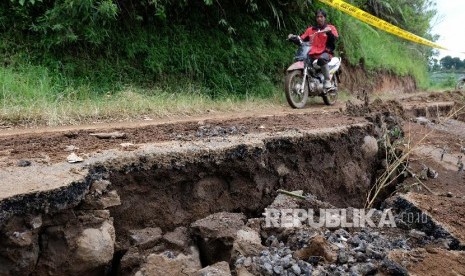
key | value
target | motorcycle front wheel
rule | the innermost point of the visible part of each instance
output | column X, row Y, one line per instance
column 296, row 97
column 460, row 85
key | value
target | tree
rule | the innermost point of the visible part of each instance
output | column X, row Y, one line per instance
column 449, row 62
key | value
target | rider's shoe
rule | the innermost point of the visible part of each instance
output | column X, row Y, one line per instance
column 327, row 84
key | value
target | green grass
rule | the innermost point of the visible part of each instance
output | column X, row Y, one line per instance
column 378, row 50
column 33, row 97
column 159, row 72
column 444, row 79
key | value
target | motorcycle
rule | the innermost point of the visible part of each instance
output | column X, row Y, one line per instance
column 460, row 84
column 304, row 79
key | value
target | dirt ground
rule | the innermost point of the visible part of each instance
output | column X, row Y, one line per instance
column 431, row 261
column 442, row 197
column 51, row 147
column 46, row 145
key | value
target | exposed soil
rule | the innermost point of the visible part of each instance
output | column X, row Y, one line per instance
column 236, row 163
column 431, row 261
column 50, row 147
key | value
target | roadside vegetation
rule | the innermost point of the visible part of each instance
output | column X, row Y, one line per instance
column 69, row 61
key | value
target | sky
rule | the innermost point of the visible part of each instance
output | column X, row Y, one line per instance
column 449, row 23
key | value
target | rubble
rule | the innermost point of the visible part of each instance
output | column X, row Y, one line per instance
column 216, row 235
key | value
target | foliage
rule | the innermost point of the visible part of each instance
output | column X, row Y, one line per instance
column 60, row 22
column 374, row 49
column 414, row 15
column 449, row 62
column 79, row 50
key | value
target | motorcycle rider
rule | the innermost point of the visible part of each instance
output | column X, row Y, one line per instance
column 323, row 38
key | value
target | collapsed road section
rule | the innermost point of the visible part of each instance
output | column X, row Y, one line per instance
column 75, row 218
column 197, row 204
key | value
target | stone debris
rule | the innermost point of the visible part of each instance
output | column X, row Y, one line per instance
column 318, row 246
column 23, row 163
column 128, row 146
column 168, row 263
column 247, row 243
column 216, row 235
column 145, row 238
column 95, row 247
column 460, row 164
column 73, row 158
column 101, row 201
column 178, row 239
column 428, row 172
column 228, row 244
column 109, row 135
column 369, row 146
column 71, row 148
column 218, row 269
column 423, row 121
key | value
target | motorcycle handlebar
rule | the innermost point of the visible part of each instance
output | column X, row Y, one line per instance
column 295, row 39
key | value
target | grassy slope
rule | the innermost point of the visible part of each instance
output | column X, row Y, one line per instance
column 157, row 72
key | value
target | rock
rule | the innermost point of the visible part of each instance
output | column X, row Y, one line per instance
column 219, row 225
column 35, row 222
column 216, row 234
column 360, row 257
column 73, row 158
column 342, row 257
column 23, row 163
column 361, row 247
column 93, row 217
column 432, row 173
column 130, row 261
column 416, row 234
column 128, row 145
column 371, row 252
column 369, row 147
column 296, row 269
column 98, row 187
column 247, row 243
column 282, row 170
column 255, row 224
column 422, row 121
column 242, row 271
column 283, row 201
column 95, row 247
column 268, row 269
column 286, row 261
column 318, row 246
column 178, row 239
column 218, row 269
column 278, row 269
column 71, row 148
column 109, row 135
column 19, row 248
column 247, row 262
column 392, row 268
column 145, row 238
column 104, row 201
column 21, row 239
column 168, row 263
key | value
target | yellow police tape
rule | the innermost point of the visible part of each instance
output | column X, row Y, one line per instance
column 379, row 23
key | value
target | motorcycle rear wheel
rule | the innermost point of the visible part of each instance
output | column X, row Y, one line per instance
column 460, row 85
column 296, row 97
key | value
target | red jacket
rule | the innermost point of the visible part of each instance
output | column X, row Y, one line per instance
column 321, row 42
